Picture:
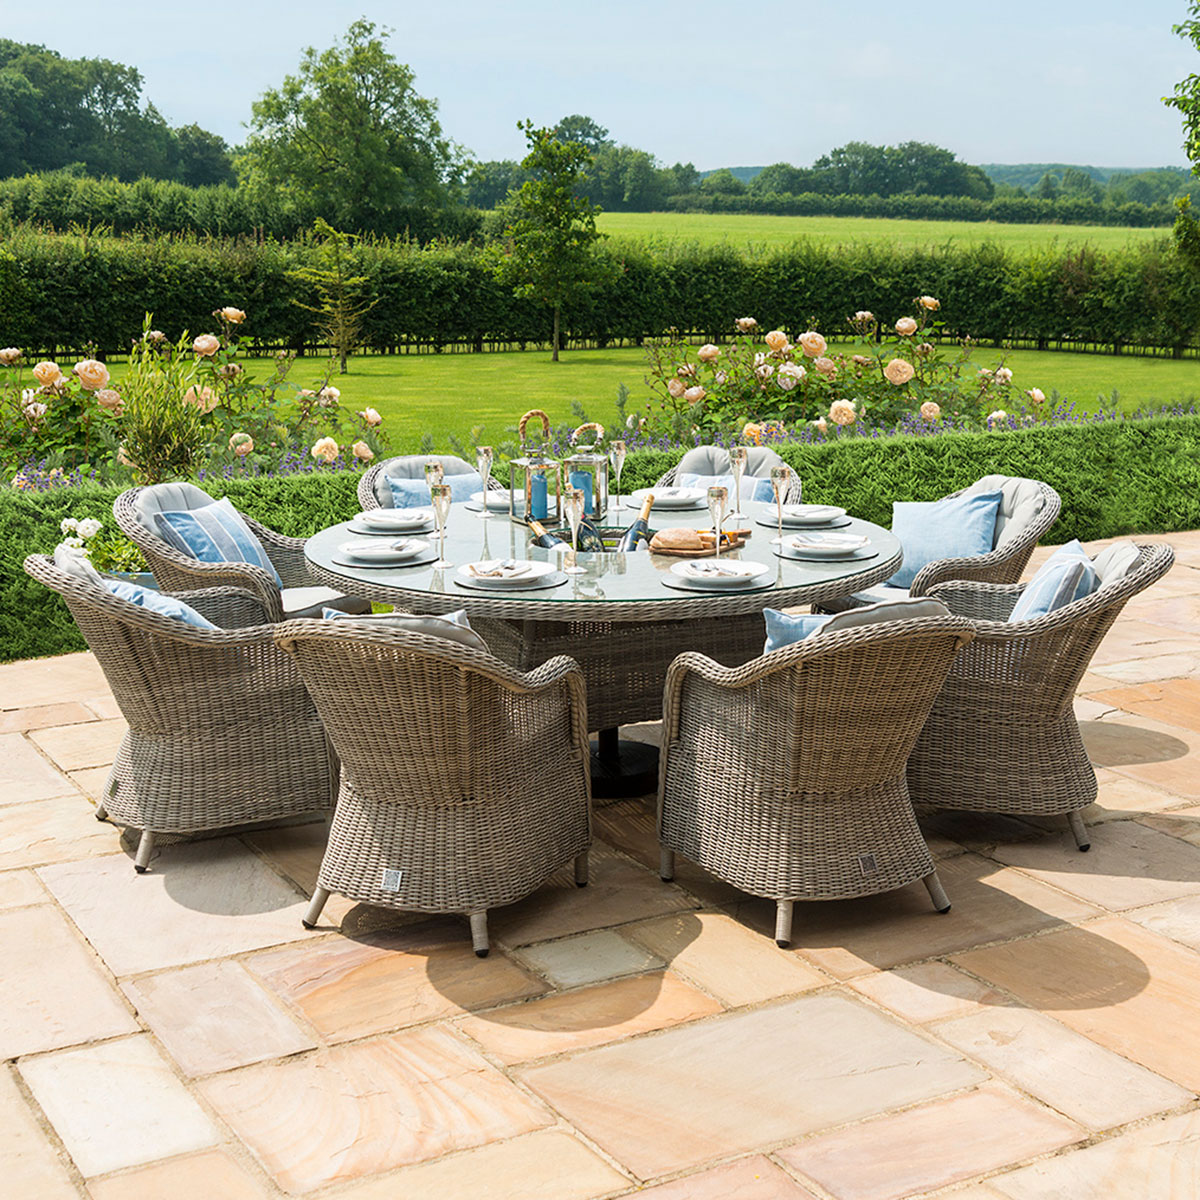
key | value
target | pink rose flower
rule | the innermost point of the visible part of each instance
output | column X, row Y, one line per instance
column 47, row 373
column 206, row 345
column 685, row 371
column 362, row 451
column 371, row 417
column 812, row 343
column 899, row 371
column 708, row 353
column 906, row 326
column 862, row 360
column 91, row 374
column 326, row 449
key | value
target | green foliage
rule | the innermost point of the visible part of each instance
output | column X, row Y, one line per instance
column 1186, row 97
column 351, row 130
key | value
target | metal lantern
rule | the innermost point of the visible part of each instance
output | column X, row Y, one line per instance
column 587, row 469
column 533, row 490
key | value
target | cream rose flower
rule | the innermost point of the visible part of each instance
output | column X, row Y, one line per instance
column 694, row 394
column 746, row 324
column 986, row 373
column 863, row 317
column 708, row 353
column 91, row 374
column 9, row 355
column 842, row 412
column 234, row 316
column 35, row 411
column 205, row 399
column 327, row 397
column 685, row 371
column 110, row 401
column 930, row 411
column 752, row 432
column 371, row 417
column 776, row 339
column 230, row 371
column 307, row 394
column 862, row 360
column 241, row 444
column 899, row 371
column 821, row 425
column 826, row 366
column 123, row 456
column 764, row 371
column 362, row 451
column 995, row 418
column 1003, row 375
column 929, row 303
column 675, row 387
column 206, row 345
column 47, row 373
column 812, row 343
column 925, row 349
column 720, row 377
column 1036, row 395
column 789, row 375
column 326, row 448
column 906, row 326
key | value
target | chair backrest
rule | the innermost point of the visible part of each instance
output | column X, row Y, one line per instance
column 1023, row 505
column 144, row 502
column 411, row 466
column 714, row 460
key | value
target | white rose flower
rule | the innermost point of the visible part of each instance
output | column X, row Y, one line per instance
column 68, row 525
column 89, row 527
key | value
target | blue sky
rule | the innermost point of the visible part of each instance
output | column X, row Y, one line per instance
column 717, row 84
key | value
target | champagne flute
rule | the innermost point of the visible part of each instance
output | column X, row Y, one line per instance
column 573, row 503
column 483, row 463
column 780, row 478
column 616, row 456
column 717, row 497
column 441, row 510
column 737, row 463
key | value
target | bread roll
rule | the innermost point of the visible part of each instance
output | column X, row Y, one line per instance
column 677, row 539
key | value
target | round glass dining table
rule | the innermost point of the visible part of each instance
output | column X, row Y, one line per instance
column 616, row 618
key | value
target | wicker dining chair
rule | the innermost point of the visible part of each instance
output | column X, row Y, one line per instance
column 221, row 730
column 714, row 460
column 785, row 777
column 301, row 594
column 465, row 783
column 1028, row 509
column 373, row 489
column 1002, row 737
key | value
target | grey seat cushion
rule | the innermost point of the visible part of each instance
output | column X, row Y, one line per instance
column 1020, row 503
column 412, row 466
column 714, row 460
column 167, row 497
column 453, row 627
column 1116, row 561
column 889, row 610
column 309, row 601
column 72, row 561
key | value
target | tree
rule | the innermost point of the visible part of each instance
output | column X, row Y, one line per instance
column 1047, row 187
column 201, row 157
column 350, row 135
column 584, row 130
column 722, row 183
column 548, row 252
column 1187, row 100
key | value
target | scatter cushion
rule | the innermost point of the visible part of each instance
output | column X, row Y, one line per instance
column 414, row 493
column 785, row 629
column 454, row 627
column 1116, row 561
column 888, row 610
column 71, row 560
column 1066, row 575
column 157, row 602
column 214, row 533
column 1021, row 502
column 956, row 527
column 752, row 488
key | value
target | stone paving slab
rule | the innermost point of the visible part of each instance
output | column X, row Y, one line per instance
column 179, row 1034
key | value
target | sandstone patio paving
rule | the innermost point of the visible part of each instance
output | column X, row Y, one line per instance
column 73, row 747
column 754, row 1178
column 53, row 831
column 588, row 958
column 931, row 991
column 210, row 1175
column 29, row 1165
column 25, row 774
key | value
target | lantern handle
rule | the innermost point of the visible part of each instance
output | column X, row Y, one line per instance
column 533, row 412
column 589, row 425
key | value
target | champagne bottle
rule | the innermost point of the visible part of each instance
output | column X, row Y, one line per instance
column 638, row 534
column 589, row 537
column 543, row 537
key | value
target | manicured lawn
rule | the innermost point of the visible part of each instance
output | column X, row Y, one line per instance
column 440, row 393
column 761, row 230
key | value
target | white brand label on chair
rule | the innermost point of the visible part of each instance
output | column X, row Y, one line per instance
column 868, row 864
column 391, row 880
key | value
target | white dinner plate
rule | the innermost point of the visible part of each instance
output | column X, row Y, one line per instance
column 496, row 501
column 669, row 498
column 532, row 574
column 825, row 545
column 371, row 551
column 718, row 573
column 811, row 514
column 399, row 519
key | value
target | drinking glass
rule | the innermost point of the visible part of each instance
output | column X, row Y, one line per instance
column 616, row 456
column 433, row 473
column 780, row 478
column 441, row 510
column 483, row 464
column 573, row 503
column 717, row 498
column 737, row 463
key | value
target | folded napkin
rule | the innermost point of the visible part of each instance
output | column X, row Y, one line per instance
column 501, row 568
column 392, row 518
column 827, row 541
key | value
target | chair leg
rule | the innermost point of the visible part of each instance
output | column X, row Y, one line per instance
column 313, row 915
column 479, row 933
column 101, row 813
column 937, row 893
column 581, row 870
column 783, row 923
column 141, row 862
column 666, row 865
column 1079, row 829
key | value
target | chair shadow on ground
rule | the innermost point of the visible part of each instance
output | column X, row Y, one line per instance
column 1110, row 744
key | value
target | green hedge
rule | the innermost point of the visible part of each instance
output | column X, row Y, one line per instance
column 1114, row 477
column 62, row 293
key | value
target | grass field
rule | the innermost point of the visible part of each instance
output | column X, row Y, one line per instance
column 749, row 230
column 440, row 393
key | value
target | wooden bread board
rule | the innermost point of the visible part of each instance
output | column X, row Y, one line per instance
column 729, row 542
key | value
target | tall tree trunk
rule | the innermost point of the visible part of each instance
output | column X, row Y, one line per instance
column 554, row 355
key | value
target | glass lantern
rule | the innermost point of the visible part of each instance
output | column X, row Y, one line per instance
column 587, row 470
column 533, row 490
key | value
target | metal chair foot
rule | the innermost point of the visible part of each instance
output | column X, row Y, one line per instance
column 141, row 863
column 581, row 870
column 1079, row 829
column 479, row 933
column 666, row 865
column 313, row 915
column 937, row 893
column 783, row 923
column 101, row 813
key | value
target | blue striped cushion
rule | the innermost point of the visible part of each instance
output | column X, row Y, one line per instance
column 1066, row 575
column 214, row 533
column 414, row 493
column 784, row 629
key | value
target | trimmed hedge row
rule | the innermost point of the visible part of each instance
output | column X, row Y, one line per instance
column 70, row 292
column 1114, row 477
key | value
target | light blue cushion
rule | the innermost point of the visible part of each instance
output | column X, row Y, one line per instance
column 214, row 533
column 956, row 527
column 1066, row 575
column 752, row 488
column 159, row 602
column 784, row 629
column 414, row 493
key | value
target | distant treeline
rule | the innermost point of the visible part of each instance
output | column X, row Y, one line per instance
column 60, row 294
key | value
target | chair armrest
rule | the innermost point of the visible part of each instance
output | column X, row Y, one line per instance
column 983, row 568
column 229, row 608
column 286, row 553
column 978, row 601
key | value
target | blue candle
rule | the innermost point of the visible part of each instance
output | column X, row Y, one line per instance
column 539, row 506
column 583, row 481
